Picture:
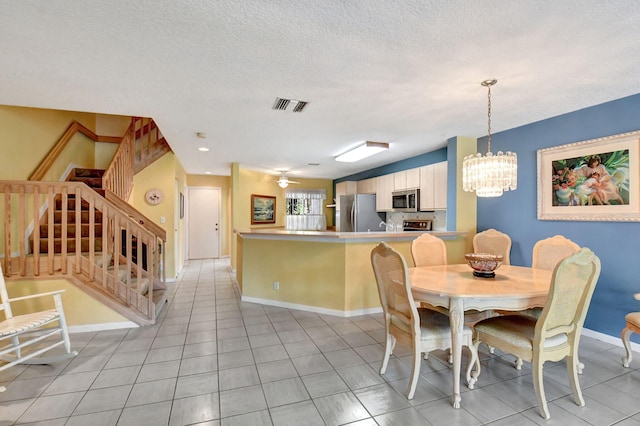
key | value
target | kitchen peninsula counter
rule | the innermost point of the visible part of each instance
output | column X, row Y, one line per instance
column 321, row 271
column 280, row 233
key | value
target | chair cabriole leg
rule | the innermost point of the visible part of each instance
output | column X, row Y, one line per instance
column 626, row 336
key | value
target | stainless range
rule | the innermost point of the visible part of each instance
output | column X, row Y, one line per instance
column 416, row 225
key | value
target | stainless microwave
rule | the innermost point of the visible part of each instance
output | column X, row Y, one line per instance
column 406, row 201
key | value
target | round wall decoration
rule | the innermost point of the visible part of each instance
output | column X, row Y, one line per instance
column 154, row 196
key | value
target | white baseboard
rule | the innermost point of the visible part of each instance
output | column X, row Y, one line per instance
column 101, row 327
column 614, row 340
column 307, row 308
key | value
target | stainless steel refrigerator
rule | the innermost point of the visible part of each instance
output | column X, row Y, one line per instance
column 358, row 214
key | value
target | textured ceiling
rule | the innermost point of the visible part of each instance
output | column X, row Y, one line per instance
column 405, row 72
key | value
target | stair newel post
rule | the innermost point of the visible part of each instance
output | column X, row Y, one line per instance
column 51, row 202
column 64, row 227
column 78, row 227
column 7, row 231
column 36, row 231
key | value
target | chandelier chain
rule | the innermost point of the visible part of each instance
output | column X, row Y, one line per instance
column 489, row 119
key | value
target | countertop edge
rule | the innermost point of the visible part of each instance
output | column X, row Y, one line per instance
column 330, row 236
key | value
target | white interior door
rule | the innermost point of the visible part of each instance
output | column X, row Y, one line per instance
column 204, row 223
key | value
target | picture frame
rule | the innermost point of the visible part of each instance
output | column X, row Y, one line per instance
column 263, row 209
column 181, row 205
column 593, row 180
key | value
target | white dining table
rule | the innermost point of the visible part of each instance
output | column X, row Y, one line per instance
column 455, row 288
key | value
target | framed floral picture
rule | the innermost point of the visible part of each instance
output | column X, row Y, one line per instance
column 263, row 209
column 594, row 180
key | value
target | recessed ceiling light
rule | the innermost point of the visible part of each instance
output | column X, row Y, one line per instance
column 201, row 135
column 203, row 149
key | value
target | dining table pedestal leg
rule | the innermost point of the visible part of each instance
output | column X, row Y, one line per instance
column 456, row 318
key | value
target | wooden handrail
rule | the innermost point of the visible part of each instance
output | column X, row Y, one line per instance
column 56, row 150
column 118, row 177
column 136, row 215
column 24, row 206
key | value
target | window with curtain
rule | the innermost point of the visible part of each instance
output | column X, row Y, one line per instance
column 304, row 209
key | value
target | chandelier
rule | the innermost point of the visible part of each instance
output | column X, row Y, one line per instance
column 490, row 175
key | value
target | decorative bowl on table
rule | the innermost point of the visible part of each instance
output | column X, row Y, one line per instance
column 484, row 264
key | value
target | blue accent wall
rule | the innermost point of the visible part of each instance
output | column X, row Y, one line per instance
column 617, row 244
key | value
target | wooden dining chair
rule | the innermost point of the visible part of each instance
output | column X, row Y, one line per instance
column 632, row 325
column 494, row 242
column 428, row 250
column 45, row 330
column 556, row 333
column 549, row 252
column 424, row 330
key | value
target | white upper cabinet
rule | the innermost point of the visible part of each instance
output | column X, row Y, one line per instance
column 413, row 178
column 400, row 181
column 406, row 179
column 385, row 186
column 433, row 186
column 440, row 185
column 345, row 188
column 367, row 186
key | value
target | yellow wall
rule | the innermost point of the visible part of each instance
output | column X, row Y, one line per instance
column 224, row 183
column 162, row 174
column 309, row 273
column 466, row 206
column 336, row 276
column 109, row 125
column 112, row 125
column 27, row 135
column 79, row 308
column 246, row 182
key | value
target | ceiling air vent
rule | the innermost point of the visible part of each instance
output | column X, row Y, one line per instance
column 300, row 105
column 282, row 104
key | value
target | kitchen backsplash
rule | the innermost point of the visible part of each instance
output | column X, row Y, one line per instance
column 438, row 218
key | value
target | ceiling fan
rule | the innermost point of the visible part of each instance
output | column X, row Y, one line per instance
column 284, row 181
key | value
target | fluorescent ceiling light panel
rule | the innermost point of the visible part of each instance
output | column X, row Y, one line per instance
column 363, row 151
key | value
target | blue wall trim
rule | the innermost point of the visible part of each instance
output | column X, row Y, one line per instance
column 617, row 244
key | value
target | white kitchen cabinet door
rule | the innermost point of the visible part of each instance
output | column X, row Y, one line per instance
column 400, row 181
column 345, row 188
column 367, row 186
column 385, row 187
column 427, row 196
column 433, row 186
column 440, row 185
column 413, row 178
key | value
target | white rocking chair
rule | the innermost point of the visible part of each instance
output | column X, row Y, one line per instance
column 20, row 331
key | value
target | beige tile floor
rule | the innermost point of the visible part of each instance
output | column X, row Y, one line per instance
column 214, row 360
